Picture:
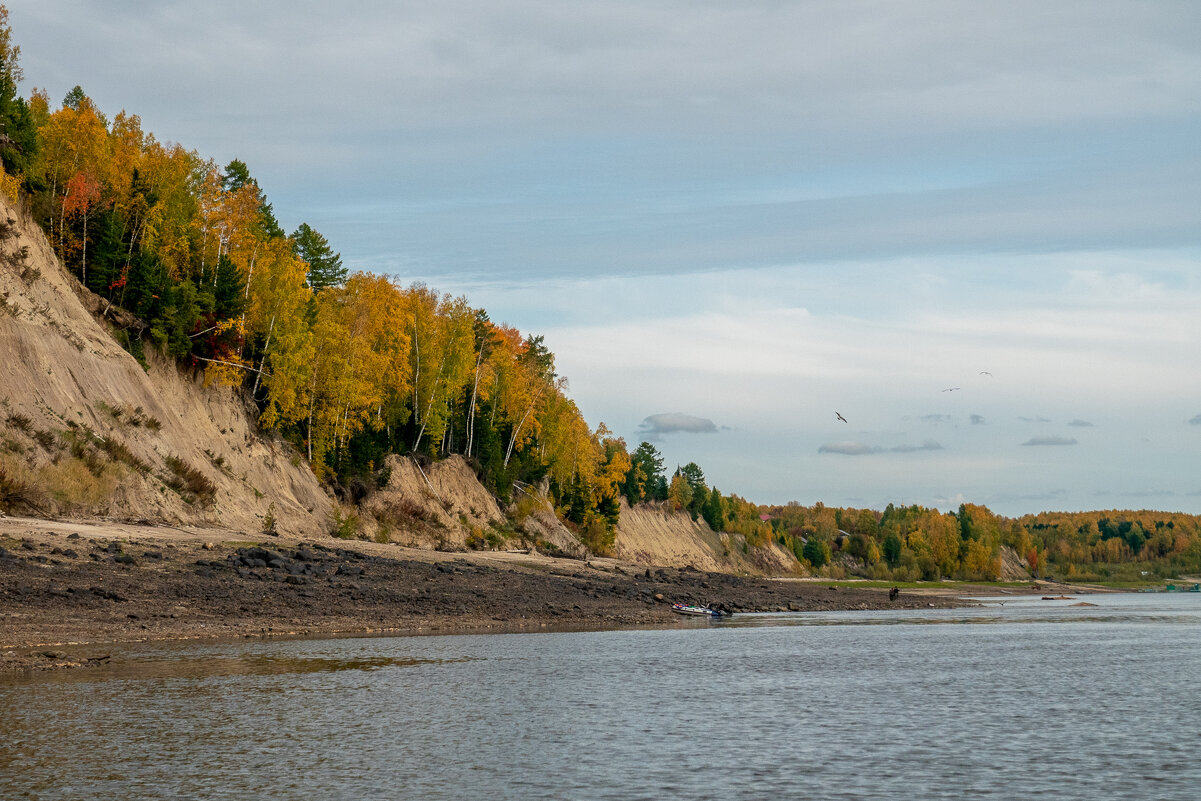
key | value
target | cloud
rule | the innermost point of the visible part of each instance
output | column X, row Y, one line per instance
column 928, row 445
column 1196, row 421
column 676, row 423
column 1081, row 423
column 849, row 448
column 977, row 419
column 1050, row 441
column 854, row 448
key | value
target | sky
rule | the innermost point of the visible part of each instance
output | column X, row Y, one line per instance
column 971, row 230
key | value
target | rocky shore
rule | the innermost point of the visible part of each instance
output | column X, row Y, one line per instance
column 67, row 590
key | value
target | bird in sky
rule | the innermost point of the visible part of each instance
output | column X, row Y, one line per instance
column 840, row 417
column 950, row 389
column 985, row 372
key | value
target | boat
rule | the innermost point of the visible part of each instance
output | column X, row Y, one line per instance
column 690, row 609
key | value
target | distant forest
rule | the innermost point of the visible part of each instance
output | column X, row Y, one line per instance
column 351, row 366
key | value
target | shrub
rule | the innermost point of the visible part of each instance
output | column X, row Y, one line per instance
column 879, row 572
column 189, row 481
column 475, row 539
column 817, row 552
column 344, row 524
column 20, row 422
column 119, row 452
column 269, row 521
column 598, row 537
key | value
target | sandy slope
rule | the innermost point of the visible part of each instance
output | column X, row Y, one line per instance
column 62, row 371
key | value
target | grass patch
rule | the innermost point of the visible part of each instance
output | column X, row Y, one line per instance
column 118, row 451
column 46, row 439
column 217, row 460
column 16, row 493
column 134, row 417
column 20, row 422
column 189, row 482
column 74, row 484
column 873, row 584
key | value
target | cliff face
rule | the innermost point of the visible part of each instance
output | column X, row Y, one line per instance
column 85, row 432
column 655, row 534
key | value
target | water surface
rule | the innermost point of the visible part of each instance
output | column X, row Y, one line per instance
column 1024, row 698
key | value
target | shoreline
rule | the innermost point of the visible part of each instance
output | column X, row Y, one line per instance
column 72, row 591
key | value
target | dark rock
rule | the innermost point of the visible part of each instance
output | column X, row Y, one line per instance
column 124, row 559
column 54, row 654
column 106, row 594
column 153, row 554
column 114, row 547
column 96, row 557
column 27, row 545
column 73, row 535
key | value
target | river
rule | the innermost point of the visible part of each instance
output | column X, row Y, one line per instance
column 1029, row 698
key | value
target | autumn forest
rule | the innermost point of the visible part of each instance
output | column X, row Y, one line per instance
column 350, row 366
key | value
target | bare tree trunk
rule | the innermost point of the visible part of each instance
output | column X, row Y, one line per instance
column 263, row 358
column 83, row 264
column 246, row 295
column 425, row 418
column 475, row 386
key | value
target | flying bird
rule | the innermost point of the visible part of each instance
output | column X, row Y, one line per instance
column 950, row 389
column 985, row 372
column 840, row 417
